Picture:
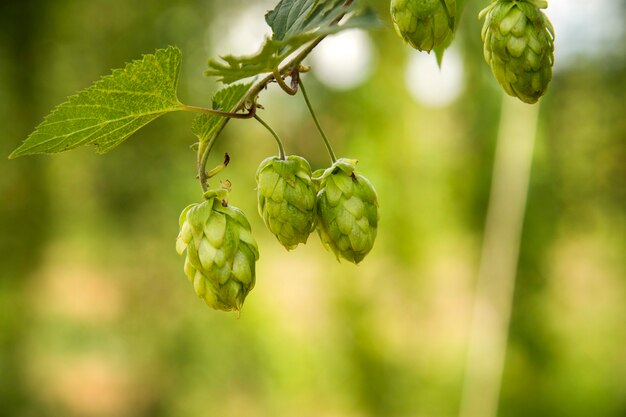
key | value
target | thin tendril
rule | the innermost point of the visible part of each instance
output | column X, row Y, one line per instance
column 281, row 82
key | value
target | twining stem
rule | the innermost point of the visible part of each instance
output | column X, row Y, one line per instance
column 317, row 123
column 205, row 148
column 281, row 148
column 262, row 83
column 281, row 82
column 293, row 62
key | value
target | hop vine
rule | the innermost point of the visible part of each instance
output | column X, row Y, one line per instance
column 337, row 201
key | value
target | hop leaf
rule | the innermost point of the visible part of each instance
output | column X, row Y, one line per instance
column 221, row 252
column 424, row 24
column 519, row 47
column 294, row 23
column 347, row 208
column 112, row 109
column 286, row 198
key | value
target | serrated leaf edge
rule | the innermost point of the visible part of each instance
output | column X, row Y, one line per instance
column 22, row 150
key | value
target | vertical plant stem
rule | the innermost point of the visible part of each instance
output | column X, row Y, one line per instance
column 329, row 148
column 203, row 155
column 281, row 148
column 204, row 150
column 499, row 259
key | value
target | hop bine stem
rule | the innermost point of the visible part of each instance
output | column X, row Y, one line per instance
column 205, row 148
column 329, row 148
column 203, row 157
column 281, row 148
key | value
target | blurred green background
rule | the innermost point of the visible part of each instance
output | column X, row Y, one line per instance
column 98, row 319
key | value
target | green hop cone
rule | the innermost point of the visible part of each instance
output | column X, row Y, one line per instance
column 519, row 46
column 221, row 252
column 347, row 210
column 424, row 24
column 286, row 197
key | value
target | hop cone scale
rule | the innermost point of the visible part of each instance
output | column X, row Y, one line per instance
column 347, row 208
column 519, row 46
column 424, row 24
column 286, row 197
column 221, row 252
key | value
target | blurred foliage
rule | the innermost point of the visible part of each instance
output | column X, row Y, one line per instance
column 97, row 318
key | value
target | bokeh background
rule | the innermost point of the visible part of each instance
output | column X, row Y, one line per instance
column 98, row 319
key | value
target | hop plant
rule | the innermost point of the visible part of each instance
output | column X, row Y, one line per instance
column 286, row 197
column 221, row 251
column 347, row 208
column 424, row 24
column 519, row 46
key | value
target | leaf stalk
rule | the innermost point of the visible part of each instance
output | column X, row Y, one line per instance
column 233, row 115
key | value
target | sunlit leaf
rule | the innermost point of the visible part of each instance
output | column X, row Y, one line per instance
column 112, row 109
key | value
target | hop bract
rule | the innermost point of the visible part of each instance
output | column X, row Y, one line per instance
column 286, row 197
column 424, row 24
column 221, row 252
column 347, row 208
column 519, row 46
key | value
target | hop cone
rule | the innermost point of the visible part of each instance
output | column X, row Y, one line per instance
column 424, row 24
column 519, row 46
column 286, row 197
column 221, row 252
column 347, row 209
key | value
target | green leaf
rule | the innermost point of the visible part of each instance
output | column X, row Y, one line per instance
column 294, row 23
column 112, row 109
column 233, row 68
column 207, row 126
column 294, row 17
